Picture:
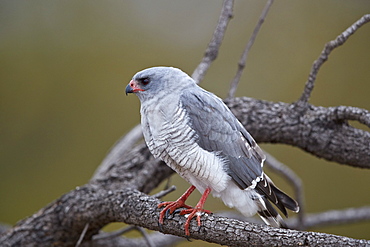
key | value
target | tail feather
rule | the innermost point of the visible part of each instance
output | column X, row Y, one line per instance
column 268, row 213
column 281, row 200
column 288, row 202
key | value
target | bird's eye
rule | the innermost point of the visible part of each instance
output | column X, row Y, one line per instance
column 145, row 81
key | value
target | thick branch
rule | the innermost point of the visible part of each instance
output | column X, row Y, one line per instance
column 316, row 131
column 98, row 207
column 112, row 196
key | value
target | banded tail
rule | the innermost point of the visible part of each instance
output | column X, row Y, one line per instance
column 281, row 200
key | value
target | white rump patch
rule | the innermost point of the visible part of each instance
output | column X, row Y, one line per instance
column 254, row 182
column 234, row 197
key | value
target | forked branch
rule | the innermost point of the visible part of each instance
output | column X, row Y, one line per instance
column 329, row 47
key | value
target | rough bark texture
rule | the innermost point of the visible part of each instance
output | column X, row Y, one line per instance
column 115, row 194
column 61, row 223
column 321, row 131
column 117, row 190
column 98, row 203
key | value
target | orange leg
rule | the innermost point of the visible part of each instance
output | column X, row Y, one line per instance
column 196, row 211
column 170, row 207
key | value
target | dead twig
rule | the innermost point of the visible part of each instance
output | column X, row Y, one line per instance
column 289, row 175
column 333, row 217
column 165, row 192
column 214, row 45
column 122, row 146
column 113, row 234
column 331, row 45
column 243, row 58
column 82, row 235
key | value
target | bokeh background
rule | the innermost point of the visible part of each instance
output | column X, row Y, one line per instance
column 64, row 66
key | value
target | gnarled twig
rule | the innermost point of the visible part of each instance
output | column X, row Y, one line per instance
column 243, row 59
column 331, row 45
column 213, row 47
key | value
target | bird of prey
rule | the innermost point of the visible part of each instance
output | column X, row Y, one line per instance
column 196, row 134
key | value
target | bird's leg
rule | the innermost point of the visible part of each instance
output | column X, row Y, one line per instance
column 196, row 211
column 172, row 206
column 180, row 203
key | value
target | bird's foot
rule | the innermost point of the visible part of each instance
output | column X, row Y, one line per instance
column 190, row 214
column 171, row 207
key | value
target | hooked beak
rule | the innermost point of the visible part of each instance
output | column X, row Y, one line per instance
column 132, row 87
column 129, row 89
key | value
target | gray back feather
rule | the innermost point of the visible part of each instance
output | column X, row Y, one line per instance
column 219, row 131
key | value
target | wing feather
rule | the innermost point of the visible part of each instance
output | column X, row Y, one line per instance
column 219, row 131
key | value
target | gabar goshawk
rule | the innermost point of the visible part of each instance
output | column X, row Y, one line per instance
column 196, row 134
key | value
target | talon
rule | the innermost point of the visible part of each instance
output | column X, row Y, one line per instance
column 160, row 227
column 185, row 211
column 168, row 211
column 177, row 211
column 174, row 207
column 207, row 211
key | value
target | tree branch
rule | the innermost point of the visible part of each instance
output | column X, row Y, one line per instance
column 243, row 59
column 157, row 239
column 117, row 190
column 331, row 45
column 313, row 220
column 119, row 149
column 294, row 180
column 214, row 46
column 58, row 223
column 112, row 195
column 333, row 217
column 315, row 131
column 343, row 113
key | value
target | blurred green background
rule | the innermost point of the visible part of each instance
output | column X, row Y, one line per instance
column 64, row 66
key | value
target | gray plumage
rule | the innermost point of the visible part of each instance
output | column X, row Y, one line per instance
column 196, row 134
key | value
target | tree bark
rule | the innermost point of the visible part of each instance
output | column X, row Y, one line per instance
column 117, row 193
column 118, row 190
column 321, row 131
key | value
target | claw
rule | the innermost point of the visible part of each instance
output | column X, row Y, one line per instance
column 188, row 238
column 195, row 212
column 174, row 207
column 160, row 227
column 177, row 211
column 192, row 213
column 168, row 211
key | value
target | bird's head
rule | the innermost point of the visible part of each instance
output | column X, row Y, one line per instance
column 158, row 82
